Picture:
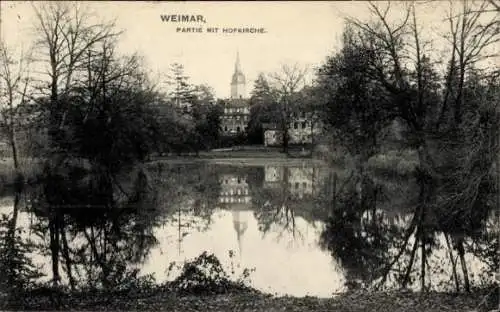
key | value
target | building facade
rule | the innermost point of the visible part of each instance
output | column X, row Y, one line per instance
column 235, row 117
column 302, row 129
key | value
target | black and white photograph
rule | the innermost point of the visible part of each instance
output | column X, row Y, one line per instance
column 338, row 156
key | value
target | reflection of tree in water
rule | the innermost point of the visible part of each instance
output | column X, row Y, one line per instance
column 356, row 233
column 378, row 253
column 286, row 194
column 97, row 226
column 189, row 189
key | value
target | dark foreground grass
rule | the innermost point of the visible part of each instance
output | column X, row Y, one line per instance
column 252, row 301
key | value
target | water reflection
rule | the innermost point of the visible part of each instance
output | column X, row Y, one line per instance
column 305, row 228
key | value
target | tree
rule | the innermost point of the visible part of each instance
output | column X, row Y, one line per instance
column 353, row 108
column 78, row 55
column 261, row 93
column 312, row 105
column 65, row 34
column 434, row 116
column 263, row 109
column 183, row 93
column 285, row 85
column 15, row 80
column 204, row 94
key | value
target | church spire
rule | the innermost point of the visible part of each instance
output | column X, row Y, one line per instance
column 238, row 82
column 237, row 66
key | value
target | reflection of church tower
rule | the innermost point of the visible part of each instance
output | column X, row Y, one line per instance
column 240, row 226
column 234, row 196
column 238, row 82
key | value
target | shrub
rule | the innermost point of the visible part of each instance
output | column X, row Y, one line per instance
column 205, row 275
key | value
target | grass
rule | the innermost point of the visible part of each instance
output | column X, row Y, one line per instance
column 163, row 300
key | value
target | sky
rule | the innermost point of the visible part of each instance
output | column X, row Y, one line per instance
column 301, row 33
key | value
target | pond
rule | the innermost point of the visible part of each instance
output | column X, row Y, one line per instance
column 297, row 225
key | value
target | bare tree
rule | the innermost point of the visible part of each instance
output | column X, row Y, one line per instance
column 285, row 84
column 15, row 80
column 65, row 32
column 401, row 62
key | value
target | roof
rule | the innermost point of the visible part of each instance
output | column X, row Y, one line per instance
column 237, row 102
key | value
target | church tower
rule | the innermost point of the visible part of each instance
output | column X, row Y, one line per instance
column 238, row 82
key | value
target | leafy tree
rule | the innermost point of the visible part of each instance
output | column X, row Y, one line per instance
column 438, row 118
column 97, row 107
column 354, row 110
column 263, row 109
column 183, row 93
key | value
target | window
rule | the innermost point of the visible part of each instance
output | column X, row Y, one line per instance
column 238, row 129
column 304, row 184
column 295, row 125
column 296, row 185
column 303, row 114
column 225, row 129
column 303, row 125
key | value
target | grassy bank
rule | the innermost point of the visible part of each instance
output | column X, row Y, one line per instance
column 354, row 302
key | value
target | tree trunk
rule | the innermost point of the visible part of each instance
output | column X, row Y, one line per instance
column 312, row 135
column 461, row 253
column 285, row 139
column 67, row 258
column 54, row 246
column 453, row 263
column 13, row 146
column 11, row 239
column 412, row 259
column 422, row 268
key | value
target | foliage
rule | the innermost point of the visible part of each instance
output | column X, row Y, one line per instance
column 355, row 105
column 263, row 109
column 205, row 275
column 19, row 271
column 353, row 302
column 402, row 163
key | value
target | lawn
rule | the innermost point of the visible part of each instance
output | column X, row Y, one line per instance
column 355, row 302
